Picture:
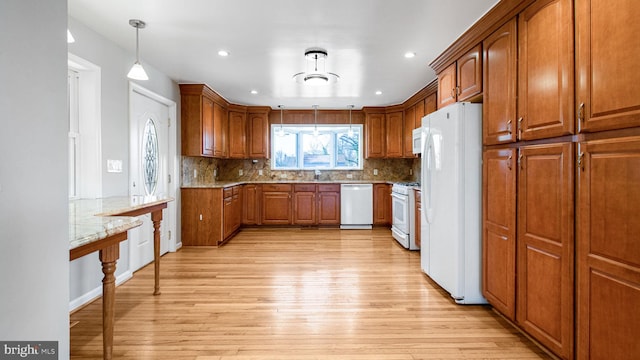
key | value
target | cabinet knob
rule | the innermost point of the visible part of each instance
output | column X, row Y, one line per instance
column 200, row 217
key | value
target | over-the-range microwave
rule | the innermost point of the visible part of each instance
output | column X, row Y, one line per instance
column 417, row 140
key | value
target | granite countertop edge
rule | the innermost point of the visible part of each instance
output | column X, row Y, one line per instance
column 224, row 184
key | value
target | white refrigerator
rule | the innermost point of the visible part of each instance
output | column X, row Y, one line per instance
column 451, row 181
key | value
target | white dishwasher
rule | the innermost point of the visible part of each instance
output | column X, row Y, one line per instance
column 356, row 206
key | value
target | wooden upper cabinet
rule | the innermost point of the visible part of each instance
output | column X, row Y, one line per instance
column 469, row 74
column 421, row 110
column 198, row 118
column 237, row 134
column 220, row 127
column 607, row 76
column 608, row 250
column 499, row 230
column 499, row 85
column 375, row 135
column 462, row 80
column 447, row 86
column 258, row 124
column 394, row 134
column 545, row 253
column 545, row 70
column 409, row 125
column 430, row 105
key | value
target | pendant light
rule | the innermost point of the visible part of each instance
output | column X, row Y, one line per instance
column 281, row 131
column 315, row 120
column 350, row 133
column 137, row 71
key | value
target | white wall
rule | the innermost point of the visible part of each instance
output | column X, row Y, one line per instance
column 114, row 62
column 34, row 260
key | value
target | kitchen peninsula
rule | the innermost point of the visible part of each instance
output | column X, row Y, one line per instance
column 100, row 225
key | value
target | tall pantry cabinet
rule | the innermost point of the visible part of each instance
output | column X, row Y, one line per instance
column 608, row 179
column 528, row 217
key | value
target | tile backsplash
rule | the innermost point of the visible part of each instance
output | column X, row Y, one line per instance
column 199, row 171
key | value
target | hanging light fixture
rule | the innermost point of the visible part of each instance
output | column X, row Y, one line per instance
column 281, row 131
column 350, row 133
column 315, row 120
column 137, row 71
column 316, row 57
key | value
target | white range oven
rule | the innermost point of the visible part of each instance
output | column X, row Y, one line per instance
column 403, row 213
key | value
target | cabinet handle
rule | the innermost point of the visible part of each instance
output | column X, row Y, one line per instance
column 509, row 162
column 457, row 90
column 581, row 112
column 200, row 217
column 520, row 128
column 520, row 161
column 453, row 93
column 580, row 163
column 509, row 126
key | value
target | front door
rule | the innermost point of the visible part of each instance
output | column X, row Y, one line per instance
column 149, row 163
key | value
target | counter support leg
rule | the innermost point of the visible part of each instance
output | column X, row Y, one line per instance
column 156, row 217
column 108, row 257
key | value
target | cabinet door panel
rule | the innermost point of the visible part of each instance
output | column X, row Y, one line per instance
column 499, row 230
column 546, row 245
column 607, row 79
column 545, row 70
column 250, row 208
column 375, row 127
column 469, row 71
column 381, row 204
column 276, row 208
column 207, row 127
column 304, row 208
column 258, row 135
column 409, row 125
column 329, row 208
column 499, row 85
column 394, row 135
column 608, row 256
column 447, row 86
column 237, row 135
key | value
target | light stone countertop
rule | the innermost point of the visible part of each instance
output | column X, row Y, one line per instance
column 90, row 219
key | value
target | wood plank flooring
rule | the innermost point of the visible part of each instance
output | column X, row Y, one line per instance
column 296, row 294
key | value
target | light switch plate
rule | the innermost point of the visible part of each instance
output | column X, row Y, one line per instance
column 375, row 172
column 114, row 166
column 260, row 172
column 240, row 172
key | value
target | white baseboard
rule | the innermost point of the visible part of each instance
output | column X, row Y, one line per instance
column 96, row 292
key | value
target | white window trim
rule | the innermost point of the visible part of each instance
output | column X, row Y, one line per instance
column 89, row 171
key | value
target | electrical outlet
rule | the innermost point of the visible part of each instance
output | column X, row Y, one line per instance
column 375, row 172
column 410, row 171
column 349, row 176
column 260, row 172
column 215, row 172
column 195, row 173
column 240, row 172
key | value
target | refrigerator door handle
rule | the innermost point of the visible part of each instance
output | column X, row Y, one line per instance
column 430, row 155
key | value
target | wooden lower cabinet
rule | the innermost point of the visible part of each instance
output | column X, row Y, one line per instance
column 499, row 230
column 608, row 249
column 251, row 194
column 201, row 219
column 232, row 210
column 329, row 204
column 304, row 204
column 381, row 204
column 276, row 204
column 545, row 245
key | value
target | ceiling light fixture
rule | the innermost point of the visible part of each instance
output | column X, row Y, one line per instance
column 137, row 71
column 378, row 92
column 315, row 120
column 254, row 92
column 350, row 133
column 316, row 57
column 223, row 53
column 281, row 131
column 409, row 55
column 70, row 38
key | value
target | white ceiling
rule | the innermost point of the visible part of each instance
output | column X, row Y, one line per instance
column 366, row 41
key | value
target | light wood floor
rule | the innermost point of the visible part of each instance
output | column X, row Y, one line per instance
column 296, row 294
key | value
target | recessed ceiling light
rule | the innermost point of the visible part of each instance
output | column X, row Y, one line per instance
column 378, row 92
column 223, row 53
column 254, row 92
column 409, row 54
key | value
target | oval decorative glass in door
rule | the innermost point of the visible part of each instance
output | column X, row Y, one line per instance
column 150, row 157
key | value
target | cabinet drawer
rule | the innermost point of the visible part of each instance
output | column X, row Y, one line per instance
column 304, row 187
column 236, row 190
column 276, row 187
column 329, row 188
column 227, row 192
